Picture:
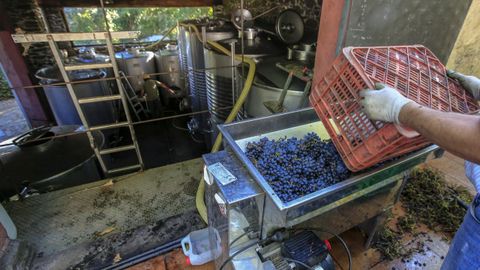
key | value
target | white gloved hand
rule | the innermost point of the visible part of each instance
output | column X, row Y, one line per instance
column 470, row 83
column 472, row 171
column 383, row 104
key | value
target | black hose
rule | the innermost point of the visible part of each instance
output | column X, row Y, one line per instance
column 238, row 252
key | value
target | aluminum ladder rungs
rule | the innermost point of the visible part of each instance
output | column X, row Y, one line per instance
column 116, row 125
column 88, row 66
column 122, row 169
column 117, row 149
column 99, row 99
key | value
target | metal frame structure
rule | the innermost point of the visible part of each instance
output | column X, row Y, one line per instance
column 107, row 36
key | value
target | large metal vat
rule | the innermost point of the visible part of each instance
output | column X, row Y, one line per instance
column 219, row 71
column 62, row 105
column 137, row 63
column 50, row 164
column 167, row 60
column 195, row 63
column 268, row 85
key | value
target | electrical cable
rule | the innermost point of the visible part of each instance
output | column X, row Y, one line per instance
column 239, row 237
column 238, row 252
column 133, row 123
column 113, row 78
column 345, row 246
column 299, row 262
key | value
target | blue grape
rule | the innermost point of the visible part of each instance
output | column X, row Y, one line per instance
column 297, row 167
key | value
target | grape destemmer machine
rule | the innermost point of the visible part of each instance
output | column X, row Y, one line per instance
column 243, row 209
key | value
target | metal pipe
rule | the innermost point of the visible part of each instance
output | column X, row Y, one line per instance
column 234, row 92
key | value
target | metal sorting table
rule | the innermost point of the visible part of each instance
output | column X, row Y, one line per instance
column 239, row 199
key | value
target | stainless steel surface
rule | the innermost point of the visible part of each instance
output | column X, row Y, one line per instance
column 249, row 33
column 368, row 193
column 218, row 84
column 214, row 30
column 28, row 38
column 167, row 60
column 62, row 104
column 233, row 209
column 238, row 15
column 435, row 24
column 135, row 62
column 268, row 85
column 49, row 164
column 302, row 52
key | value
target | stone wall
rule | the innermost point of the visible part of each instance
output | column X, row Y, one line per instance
column 26, row 17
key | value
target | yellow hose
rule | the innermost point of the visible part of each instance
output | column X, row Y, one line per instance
column 200, row 199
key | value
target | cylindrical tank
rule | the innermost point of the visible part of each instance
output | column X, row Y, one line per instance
column 49, row 164
column 268, row 85
column 135, row 62
column 62, row 105
column 216, row 30
column 167, row 60
column 219, row 75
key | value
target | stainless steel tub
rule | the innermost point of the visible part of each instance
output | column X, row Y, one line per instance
column 338, row 207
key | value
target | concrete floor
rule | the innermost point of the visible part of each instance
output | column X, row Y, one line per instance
column 68, row 223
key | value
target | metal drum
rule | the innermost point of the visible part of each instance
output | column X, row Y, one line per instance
column 167, row 61
column 137, row 63
column 215, row 30
column 219, row 71
column 268, row 85
column 62, row 105
column 48, row 164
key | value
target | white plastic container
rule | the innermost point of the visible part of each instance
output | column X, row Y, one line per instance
column 196, row 246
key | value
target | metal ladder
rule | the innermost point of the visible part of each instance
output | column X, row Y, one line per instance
column 132, row 97
column 52, row 40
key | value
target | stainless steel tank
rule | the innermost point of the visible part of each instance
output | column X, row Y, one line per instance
column 192, row 48
column 167, row 61
column 219, row 71
column 62, row 105
column 137, row 63
column 268, row 85
column 47, row 164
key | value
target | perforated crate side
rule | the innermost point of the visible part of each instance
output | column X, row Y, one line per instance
column 336, row 97
column 416, row 73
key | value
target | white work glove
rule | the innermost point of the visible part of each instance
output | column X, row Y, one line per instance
column 472, row 171
column 383, row 104
column 470, row 83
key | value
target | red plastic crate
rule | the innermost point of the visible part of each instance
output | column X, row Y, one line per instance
column 413, row 70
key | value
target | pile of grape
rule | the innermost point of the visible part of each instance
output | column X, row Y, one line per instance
column 296, row 167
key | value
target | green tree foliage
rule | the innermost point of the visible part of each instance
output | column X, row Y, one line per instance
column 5, row 92
column 149, row 21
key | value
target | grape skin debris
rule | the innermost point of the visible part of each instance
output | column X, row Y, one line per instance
column 297, row 167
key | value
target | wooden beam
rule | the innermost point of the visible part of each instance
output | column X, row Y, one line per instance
column 127, row 3
column 17, row 73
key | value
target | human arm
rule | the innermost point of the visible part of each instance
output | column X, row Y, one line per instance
column 454, row 132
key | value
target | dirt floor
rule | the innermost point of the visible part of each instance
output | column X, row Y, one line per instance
column 435, row 245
